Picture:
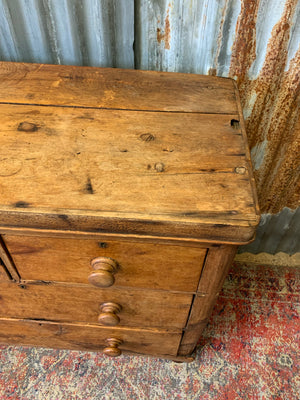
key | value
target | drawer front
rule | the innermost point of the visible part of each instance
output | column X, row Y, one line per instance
column 59, row 302
column 143, row 265
column 87, row 337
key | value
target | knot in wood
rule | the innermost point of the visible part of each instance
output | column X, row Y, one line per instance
column 159, row 167
column 27, row 127
column 240, row 170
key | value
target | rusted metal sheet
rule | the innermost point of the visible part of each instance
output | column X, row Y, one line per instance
column 270, row 97
column 181, row 36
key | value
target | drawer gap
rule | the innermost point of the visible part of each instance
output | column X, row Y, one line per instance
column 203, row 266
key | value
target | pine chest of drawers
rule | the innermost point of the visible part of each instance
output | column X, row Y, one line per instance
column 124, row 195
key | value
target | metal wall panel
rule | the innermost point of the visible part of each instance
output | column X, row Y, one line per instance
column 256, row 42
column 179, row 36
column 269, row 84
column 277, row 233
column 73, row 32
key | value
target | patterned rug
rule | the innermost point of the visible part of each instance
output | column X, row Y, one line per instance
column 250, row 350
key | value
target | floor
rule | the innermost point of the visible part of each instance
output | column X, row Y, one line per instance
column 250, row 350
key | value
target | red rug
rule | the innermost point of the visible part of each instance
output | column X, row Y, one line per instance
column 249, row 351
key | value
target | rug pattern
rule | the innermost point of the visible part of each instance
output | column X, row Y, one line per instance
column 249, row 351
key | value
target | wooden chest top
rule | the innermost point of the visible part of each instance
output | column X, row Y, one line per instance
column 126, row 152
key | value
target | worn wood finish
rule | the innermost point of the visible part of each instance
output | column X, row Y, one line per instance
column 90, row 176
column 143, row 265
column 7, row 265
column 247, row 150
column 116, row 188
column 62, row 85
column 4, row 276
column 87, row 337
column 167, row 240
column 59, row 302
column 214, row 272
column 83, row 222
column 190, row 338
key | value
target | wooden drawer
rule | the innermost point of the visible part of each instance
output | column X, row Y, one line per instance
column 59, row 302
column 87, row 337
column 144, row 265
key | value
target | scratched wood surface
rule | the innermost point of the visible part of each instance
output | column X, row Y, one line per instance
column 129, row 155
column 81, row 303
column 87, row 337
column 126, row 165
column 3, row 272
column 115, row 88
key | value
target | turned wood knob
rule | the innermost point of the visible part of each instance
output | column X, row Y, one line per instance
column 108, row 314
column 105, row 268
column 112, row 349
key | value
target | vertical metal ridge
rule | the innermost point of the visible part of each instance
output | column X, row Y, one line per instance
column 71, row 32
column 277, row 233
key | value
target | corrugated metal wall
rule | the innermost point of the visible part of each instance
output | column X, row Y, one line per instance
column 254, row 41
column 277, row 233
column 75, row 32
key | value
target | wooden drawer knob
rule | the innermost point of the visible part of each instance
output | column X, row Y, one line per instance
column 112, row 349
column 108, row 314
column 105, row 268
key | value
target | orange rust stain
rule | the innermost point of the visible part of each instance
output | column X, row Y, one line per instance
column 243, row 52
column 280, row 176
column 285, row 190
column 292, row 169
column 160, row 35
column 165, row 35
column 167, row 32
column 212, row 71
column 276, row 109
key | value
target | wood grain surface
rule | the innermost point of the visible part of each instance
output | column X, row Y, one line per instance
column 3, row 271
column 115, row 88
column 146, row 173
column 143, row 265
column 7, row 266
column 68, row 303
column 214, row 272
column 87, row 337
column 102, row 164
